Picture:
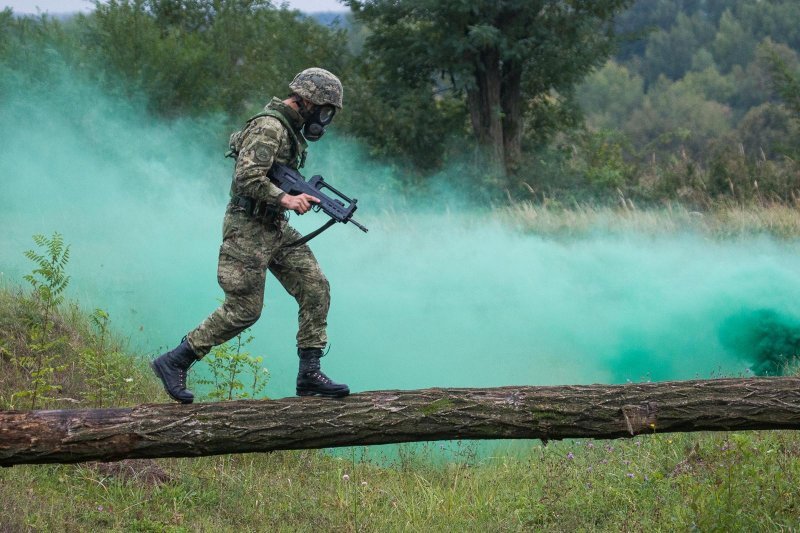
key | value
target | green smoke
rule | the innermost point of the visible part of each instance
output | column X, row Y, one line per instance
column 767, row 338
column 435, row 295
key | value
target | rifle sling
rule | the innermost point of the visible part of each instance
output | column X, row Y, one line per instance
column 311, row 235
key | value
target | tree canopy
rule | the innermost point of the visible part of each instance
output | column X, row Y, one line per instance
column 194, row 56
column 502, row 56
column 651, row 100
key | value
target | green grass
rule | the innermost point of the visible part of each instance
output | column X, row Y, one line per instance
column 707, row 482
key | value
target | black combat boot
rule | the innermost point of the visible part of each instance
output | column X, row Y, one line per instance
column 172, row 367
column 310, row 379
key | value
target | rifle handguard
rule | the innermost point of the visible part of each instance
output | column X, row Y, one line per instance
column 340, row 208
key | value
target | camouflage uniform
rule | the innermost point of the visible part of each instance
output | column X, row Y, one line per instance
column 252, row 245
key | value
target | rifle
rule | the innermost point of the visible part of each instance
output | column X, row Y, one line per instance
column 340, row 208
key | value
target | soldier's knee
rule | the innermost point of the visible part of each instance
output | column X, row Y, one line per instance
column 251, row 319
column 250, row 315
column 242, row 312
column 321, row 288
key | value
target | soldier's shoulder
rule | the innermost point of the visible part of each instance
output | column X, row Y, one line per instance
column 269, row 120
column 266, row 125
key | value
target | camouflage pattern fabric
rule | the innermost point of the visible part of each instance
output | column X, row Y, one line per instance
column 319, row 86
column 249, row 248
column 253, row 245
column 263, row 141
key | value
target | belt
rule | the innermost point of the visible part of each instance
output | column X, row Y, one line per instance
column 255, row 208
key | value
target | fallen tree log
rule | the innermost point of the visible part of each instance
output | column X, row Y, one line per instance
column 394, row 416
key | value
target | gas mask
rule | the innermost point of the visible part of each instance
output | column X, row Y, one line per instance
column 320, row 117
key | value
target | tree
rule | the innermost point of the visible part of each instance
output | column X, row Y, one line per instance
column 670, row 52
column 403, row 124
column 501, row 55
column 6, row 21
column 777, row 19
column 784, row 70
column 610, row 95
column 765, row 129
column 733, row 44
column 642, row 18
column 204, row 56
column 675, row 117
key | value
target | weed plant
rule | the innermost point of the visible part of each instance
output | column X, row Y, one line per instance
column 228, row 365
column 48, row 280
column 52, row 353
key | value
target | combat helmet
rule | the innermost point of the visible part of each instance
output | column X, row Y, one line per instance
column 318, row 86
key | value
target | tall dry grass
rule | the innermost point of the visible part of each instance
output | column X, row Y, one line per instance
column 724, row 221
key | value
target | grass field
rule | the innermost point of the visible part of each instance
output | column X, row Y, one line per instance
column 704, row 482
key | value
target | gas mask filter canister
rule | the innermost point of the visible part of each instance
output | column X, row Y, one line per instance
column 314, row 126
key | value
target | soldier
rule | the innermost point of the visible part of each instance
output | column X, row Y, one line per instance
column 256, row 237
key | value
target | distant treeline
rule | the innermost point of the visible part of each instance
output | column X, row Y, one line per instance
column 648, row 101
column 700, row 102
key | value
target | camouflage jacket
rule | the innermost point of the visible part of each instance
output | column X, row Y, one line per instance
column 263, row 141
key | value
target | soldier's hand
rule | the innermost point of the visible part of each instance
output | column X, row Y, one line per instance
column 300, row 203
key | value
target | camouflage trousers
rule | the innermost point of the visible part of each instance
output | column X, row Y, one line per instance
column 250, row 247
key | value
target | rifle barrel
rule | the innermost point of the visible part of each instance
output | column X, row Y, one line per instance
column 359, row 226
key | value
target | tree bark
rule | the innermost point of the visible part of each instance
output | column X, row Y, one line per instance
column 485, row 106
column 496, row 108
column 384, row 417
column 512, row 102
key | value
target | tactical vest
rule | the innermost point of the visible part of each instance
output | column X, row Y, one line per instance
column 299, row 144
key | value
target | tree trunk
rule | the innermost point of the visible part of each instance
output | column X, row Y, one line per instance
column 384, row 417
column 485, row 107
column 496, row 109
column 511, row 100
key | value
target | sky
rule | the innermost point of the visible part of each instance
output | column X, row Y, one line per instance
column 67, row 6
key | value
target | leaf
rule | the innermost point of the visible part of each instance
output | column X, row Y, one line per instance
column 484, row 36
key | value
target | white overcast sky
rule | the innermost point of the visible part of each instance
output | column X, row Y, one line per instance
column 68, row 6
